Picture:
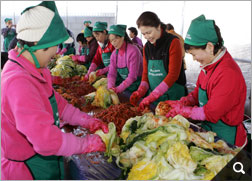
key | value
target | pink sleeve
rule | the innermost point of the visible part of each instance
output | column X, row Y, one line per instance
column 104, row 70
column 38, row 127
column 112, row 73
column 133, row 64
column 80, row 50
column 92, row 68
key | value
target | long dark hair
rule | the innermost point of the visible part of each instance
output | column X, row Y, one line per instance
column 149, row 18
column 217, row 46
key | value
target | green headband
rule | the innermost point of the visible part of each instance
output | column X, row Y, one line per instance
column 87, row 22
column 201, row 31
column 7, row 19
column 55, row 34
column 100, row 26
column 87, row 32
column 119, row 30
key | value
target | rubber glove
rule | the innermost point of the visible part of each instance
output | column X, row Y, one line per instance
column 158, row 91
column 82, row 58
column 58, row 50
column 195, row 113
column 94, row 124
column 125, row 84
column 64, row 50
column 114, row 89
column 188, row 100
column 102, row 71
column 75, row 58
column 92, row 68
column 76, row 145
column 137, row 95
column 74, row 116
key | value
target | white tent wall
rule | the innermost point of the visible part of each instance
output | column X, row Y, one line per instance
column 232, row 17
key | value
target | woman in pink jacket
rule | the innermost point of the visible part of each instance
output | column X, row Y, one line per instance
column 126, row 62
column 32, row 144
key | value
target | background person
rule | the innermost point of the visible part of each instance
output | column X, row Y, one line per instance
column 163, row 75
column 125, row 67
column 101, row 59
column 8, row 33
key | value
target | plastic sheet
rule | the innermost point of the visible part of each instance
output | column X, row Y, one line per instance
column 91, row 166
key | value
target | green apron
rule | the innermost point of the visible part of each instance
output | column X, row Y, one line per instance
column 47, row 167
column 224, row 131
column 156, row 74
column 69, row 50
column 122, row 74
column 87, row 51
column 83, row 51
column 106, row 58
column 8, row 39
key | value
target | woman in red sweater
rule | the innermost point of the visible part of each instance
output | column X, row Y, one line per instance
column 163, row 75
column 219, row 97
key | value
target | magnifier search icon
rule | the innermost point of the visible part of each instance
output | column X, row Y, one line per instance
column 238, row 170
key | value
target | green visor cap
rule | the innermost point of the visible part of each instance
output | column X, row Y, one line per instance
column 200, row 32
column 87, row 32
column 119, row 30
column 87, row 22
column 7, row 19
column 100, row 26
column 55, row 34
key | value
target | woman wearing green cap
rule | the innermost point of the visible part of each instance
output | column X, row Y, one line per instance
column 219, row 97
column 86, row 24
column 125, row 67
column 91, row 49
column 104, row 51
column 163, row 72
column 67, row 48
column 32, row 145
column 8, row 33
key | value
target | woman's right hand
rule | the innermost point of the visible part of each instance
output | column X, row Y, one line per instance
column 93, row 143
column 134, row 98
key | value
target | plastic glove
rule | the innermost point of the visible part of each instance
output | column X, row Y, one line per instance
column 148, row 100
column 94, row 124
column 64, row 50
column 196, row 113
column 137, row 95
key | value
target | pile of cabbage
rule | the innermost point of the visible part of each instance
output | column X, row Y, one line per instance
column 153, row 147
column 65, row 67
column 103, row 97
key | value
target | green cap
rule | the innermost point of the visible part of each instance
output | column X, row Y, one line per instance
column 201, row 31
column 119, row 30
column 87, row 32
column 88, row 21
column 55, row 33
column 7, row 19
column 100, row 26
